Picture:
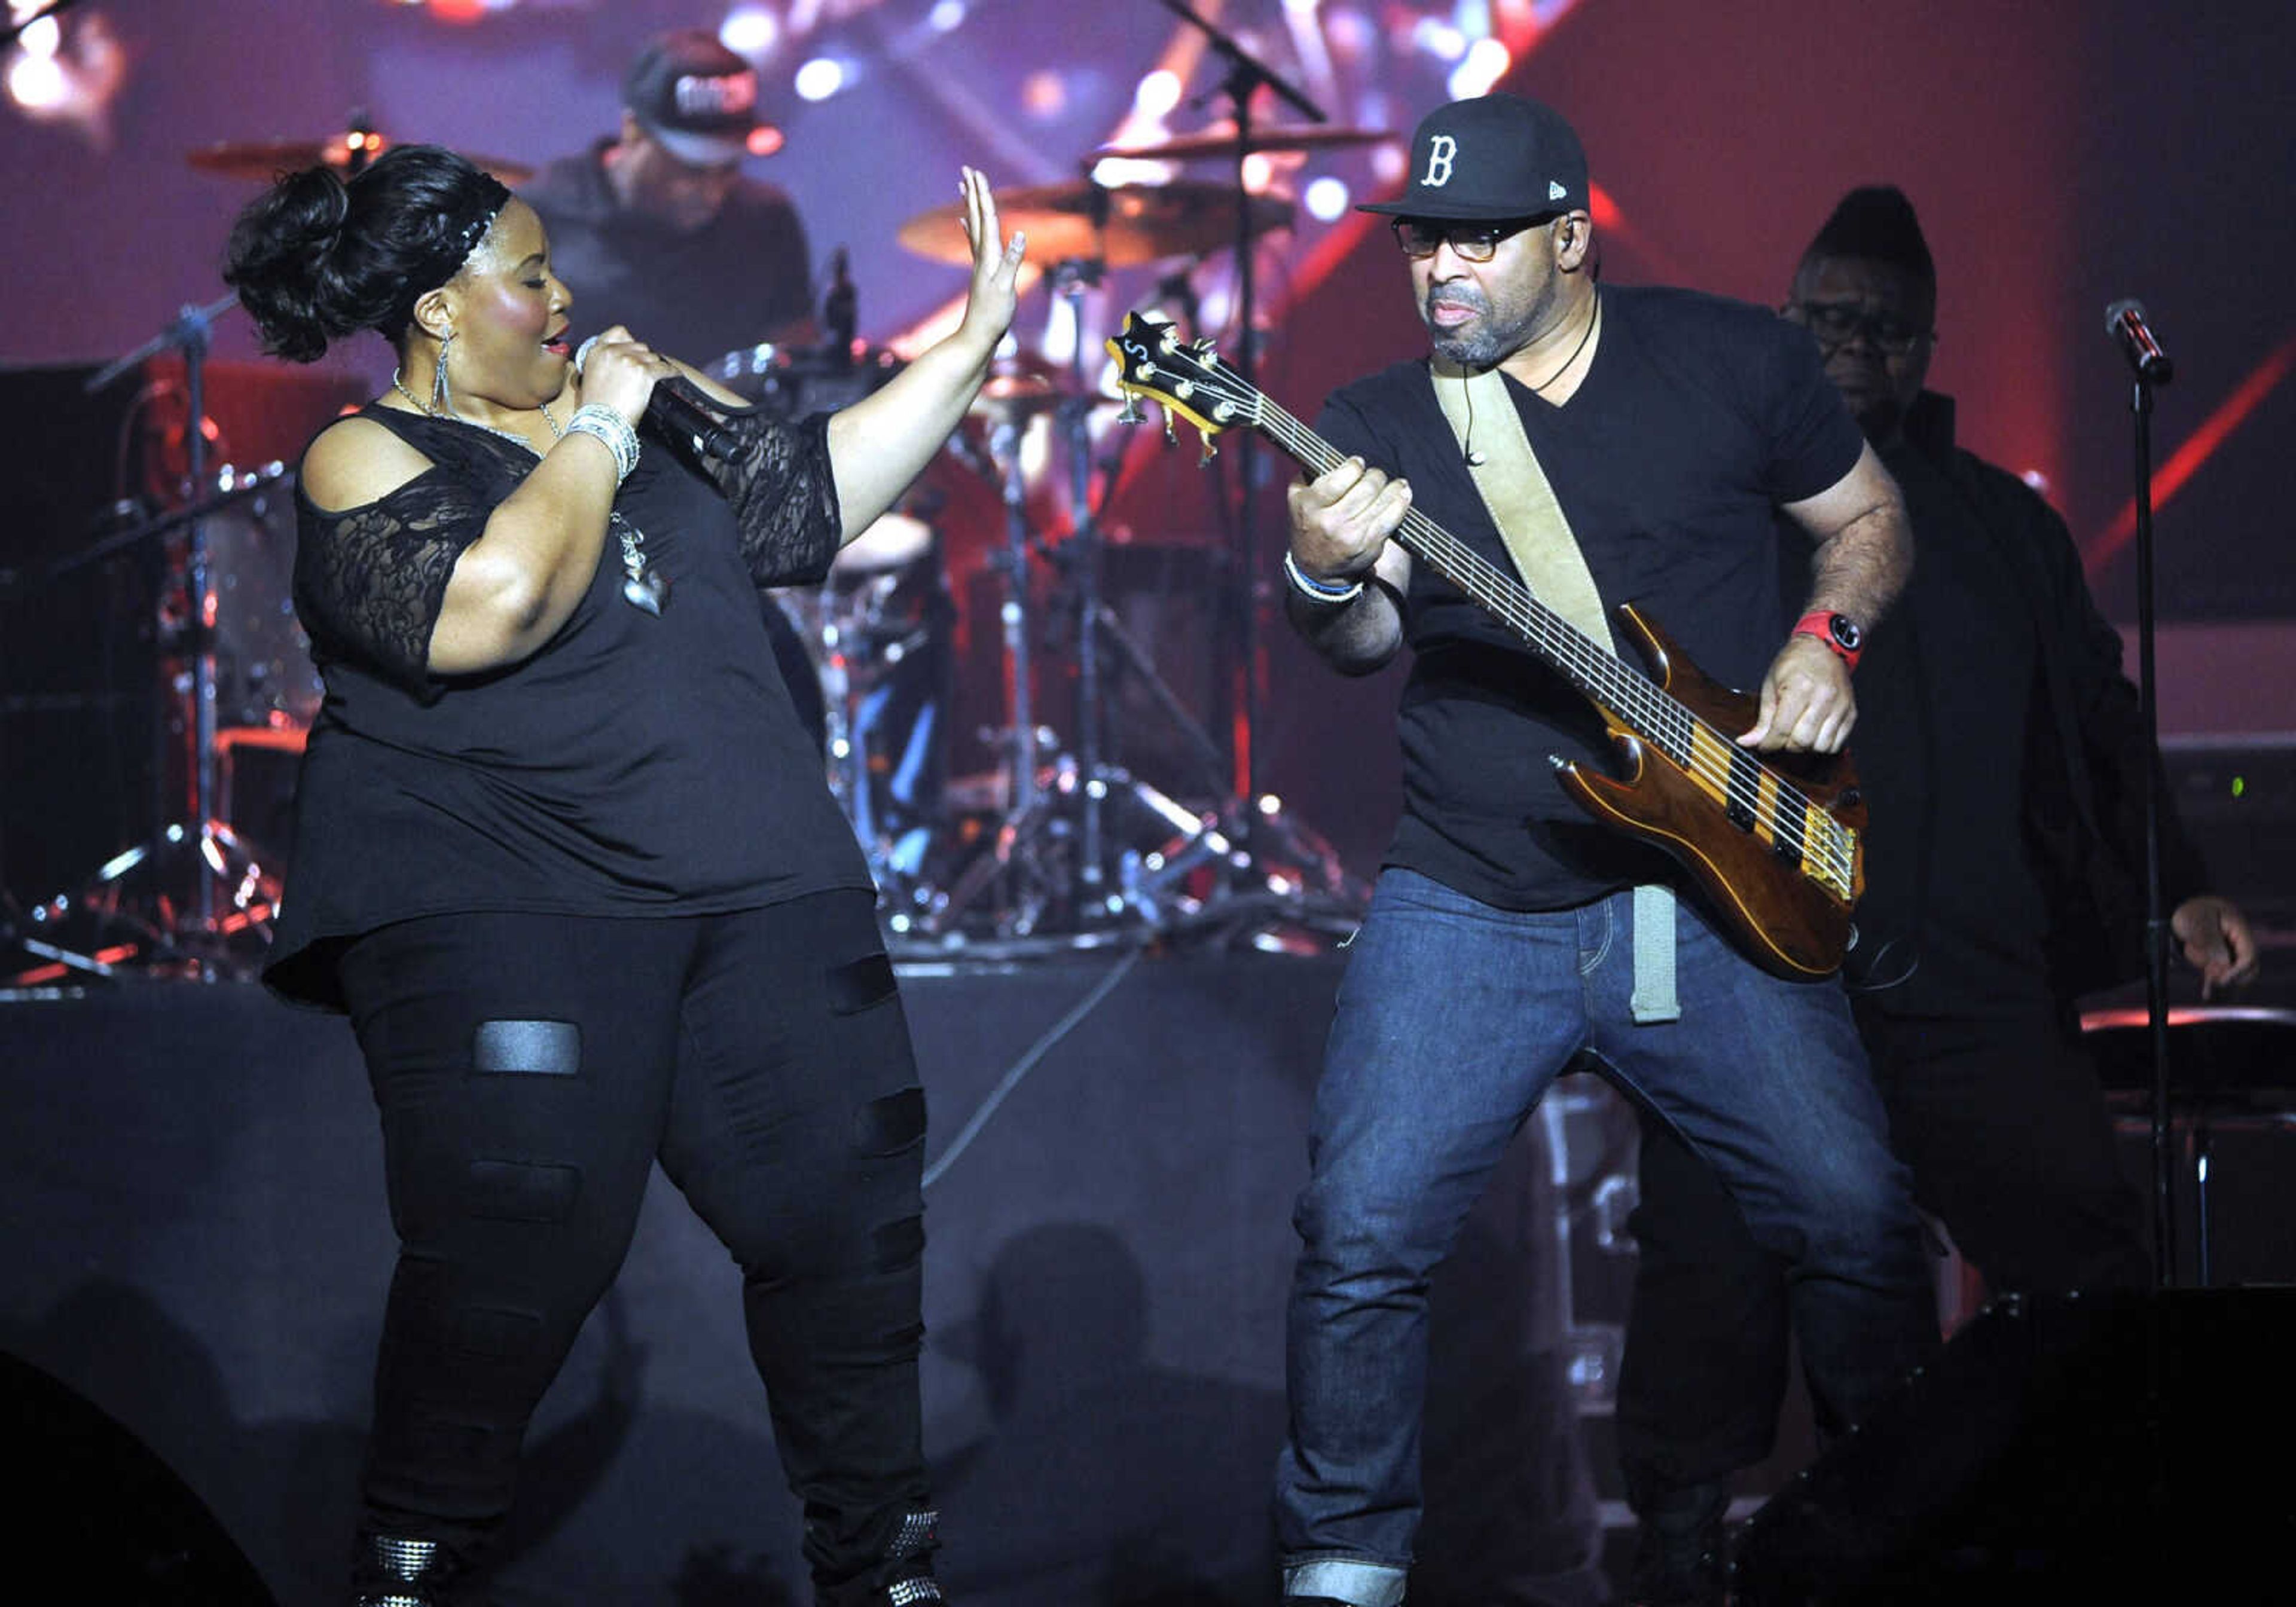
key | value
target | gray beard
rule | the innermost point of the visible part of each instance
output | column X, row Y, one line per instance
column 1488, row 345
column 1471, row 352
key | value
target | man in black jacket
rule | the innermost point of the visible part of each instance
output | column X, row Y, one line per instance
column 2005, row 864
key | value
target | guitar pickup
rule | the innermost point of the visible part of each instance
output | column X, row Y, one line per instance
column 1741, row 790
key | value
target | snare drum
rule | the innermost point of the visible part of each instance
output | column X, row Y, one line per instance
column 264, row 676
column 790, row 382
column 878, row 634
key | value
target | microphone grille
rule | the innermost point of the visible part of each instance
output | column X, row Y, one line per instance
column 582, row 355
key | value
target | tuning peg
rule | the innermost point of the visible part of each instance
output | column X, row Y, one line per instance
column 1168, row 437
column 1131, row 413
column 1210, row 448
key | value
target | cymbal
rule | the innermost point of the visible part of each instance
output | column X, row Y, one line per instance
column 1221, row 140
column 1019, row 386
column 1018, row 399
column 1145, row 223
column 265, row 159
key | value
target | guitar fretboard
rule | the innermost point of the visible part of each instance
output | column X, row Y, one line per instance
column 1755, row 797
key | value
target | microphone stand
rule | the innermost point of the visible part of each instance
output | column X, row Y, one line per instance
column 1246, row 73
column 2156, row 922
column 1072, row 279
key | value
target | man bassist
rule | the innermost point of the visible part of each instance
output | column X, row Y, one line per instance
column 1660, row 430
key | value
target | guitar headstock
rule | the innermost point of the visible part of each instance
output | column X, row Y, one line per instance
column 1189, row 378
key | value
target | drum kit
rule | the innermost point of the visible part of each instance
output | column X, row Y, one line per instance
column 1055, row 845
column 1052, row 846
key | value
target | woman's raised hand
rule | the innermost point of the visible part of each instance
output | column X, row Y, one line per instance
column 989, row 305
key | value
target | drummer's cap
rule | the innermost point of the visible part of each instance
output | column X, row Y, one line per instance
column 1492, row 158
column 695, row 96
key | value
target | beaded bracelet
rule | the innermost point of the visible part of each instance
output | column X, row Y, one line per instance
column 596, row 419
column 1320, row 591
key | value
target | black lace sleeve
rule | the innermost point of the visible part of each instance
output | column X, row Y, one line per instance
column 370, row 582
column 785, row 496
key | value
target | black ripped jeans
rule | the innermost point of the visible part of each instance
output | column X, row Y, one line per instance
column 529, row 1070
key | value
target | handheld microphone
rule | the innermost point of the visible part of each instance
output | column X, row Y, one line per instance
column 2124, row 321
column 675, row 412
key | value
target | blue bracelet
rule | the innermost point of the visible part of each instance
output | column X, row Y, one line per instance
column 1322, row 591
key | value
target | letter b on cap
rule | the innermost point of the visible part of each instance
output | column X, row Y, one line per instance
column 1440, row 150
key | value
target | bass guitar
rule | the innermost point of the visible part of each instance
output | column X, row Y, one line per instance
column 1775, row 841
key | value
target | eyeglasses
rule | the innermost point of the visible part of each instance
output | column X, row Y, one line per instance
column 1470, row 241
column 1836, row 324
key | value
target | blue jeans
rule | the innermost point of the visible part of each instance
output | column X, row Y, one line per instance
column 1452, row 1019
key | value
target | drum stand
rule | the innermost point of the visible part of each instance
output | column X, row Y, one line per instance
column 1013, row 865
column 1046, row 864
column 1087, row 849
column 1277, row 858
column 194, row 899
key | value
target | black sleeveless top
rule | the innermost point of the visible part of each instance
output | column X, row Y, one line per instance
column 633, row 766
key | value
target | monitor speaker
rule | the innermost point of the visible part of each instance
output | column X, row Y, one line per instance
column 99, row 1515
column 2115, row 1449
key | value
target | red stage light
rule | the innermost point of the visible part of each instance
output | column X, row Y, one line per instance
column 2198, row 449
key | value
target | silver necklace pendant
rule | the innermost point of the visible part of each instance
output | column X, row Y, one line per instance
column 647, row 589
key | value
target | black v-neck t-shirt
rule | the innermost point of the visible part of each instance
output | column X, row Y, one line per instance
column 1696, row 418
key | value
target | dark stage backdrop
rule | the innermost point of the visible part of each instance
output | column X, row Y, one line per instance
column 195, row 1242
column 2063, row 154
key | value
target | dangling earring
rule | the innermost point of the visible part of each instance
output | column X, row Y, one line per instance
column 442, row 396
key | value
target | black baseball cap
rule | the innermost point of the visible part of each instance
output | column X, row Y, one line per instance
column 695, row 96
column 1492, row 158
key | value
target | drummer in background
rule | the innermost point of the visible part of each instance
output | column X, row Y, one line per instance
column 660, row 226
column 664, row 234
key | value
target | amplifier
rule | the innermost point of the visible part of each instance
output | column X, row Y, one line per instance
column 2236, row 795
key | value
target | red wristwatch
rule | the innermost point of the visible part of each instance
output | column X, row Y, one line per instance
column 1839, row 632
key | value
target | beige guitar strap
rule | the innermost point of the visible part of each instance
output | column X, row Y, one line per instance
column 1521, row 503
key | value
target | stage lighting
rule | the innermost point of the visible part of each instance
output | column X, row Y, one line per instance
column 1439, row 39
column 1486, row 62
column 1158, row 93
column 1045, row 95
column 822, row 78
column 750, row 30
column 37, row 84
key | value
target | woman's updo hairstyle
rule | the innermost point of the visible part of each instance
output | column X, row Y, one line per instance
column 314, row 259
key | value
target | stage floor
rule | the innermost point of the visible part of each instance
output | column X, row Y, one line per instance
column 196, row 1243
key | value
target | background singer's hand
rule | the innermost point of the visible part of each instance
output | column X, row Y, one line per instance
column 2218, row 942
